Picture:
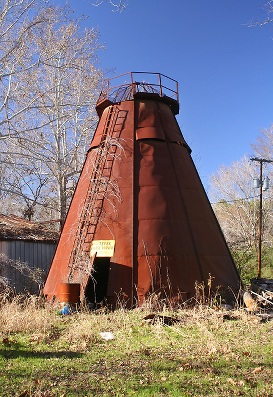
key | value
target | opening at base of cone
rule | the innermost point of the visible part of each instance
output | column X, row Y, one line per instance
column 96, row 289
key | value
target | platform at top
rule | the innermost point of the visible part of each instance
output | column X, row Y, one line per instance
column 142, row 85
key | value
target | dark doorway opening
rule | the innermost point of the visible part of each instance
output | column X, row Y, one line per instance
column 96, row 289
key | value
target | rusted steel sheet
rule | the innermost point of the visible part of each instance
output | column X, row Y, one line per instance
column 153, row 206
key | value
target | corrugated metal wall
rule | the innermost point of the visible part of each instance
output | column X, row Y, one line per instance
column 36, row 254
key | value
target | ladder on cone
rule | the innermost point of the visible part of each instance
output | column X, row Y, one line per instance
column 80, row 263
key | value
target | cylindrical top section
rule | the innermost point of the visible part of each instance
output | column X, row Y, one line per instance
column 132, row 85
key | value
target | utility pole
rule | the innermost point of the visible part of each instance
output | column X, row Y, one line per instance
column 263, row 185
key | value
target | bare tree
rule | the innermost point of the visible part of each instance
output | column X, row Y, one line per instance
column 50, row 113
column 263, row 147
column 236, row 204
column 66, row 88
column 18, row 21
column 22, row 182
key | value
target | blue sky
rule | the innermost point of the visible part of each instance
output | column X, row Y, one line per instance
column 224, row 67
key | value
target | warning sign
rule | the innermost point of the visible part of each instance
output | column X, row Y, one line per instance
column 103, row 248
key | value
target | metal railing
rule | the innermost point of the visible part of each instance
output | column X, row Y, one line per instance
column 125, row 86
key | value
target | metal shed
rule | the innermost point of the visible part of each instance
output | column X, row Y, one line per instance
column 26, row 250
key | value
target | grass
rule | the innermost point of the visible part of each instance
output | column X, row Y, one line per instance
column 208, row 352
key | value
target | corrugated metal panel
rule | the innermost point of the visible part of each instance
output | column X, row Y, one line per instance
column 3, row 247
column 34, row 254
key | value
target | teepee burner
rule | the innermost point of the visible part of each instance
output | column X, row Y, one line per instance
column 140, row 221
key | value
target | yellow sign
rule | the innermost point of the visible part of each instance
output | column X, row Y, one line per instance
column 102, row 248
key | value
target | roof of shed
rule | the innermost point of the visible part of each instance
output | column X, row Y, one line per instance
column 14, row 227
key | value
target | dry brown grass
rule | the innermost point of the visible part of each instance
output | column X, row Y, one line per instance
column 24, row 314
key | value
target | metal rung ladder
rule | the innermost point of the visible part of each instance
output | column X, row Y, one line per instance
column 97, row 190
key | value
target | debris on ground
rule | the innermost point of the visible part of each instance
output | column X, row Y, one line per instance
column 259, row 299
column 262, row 288
column 165, row 320
column 107, row 335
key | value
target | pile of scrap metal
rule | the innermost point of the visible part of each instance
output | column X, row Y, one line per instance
column 262, row 288
column 260, row 296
